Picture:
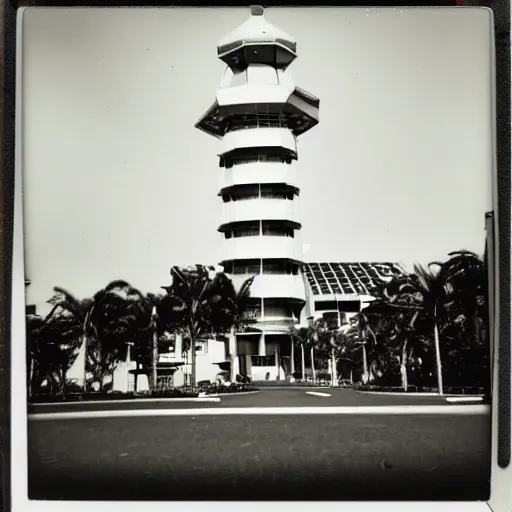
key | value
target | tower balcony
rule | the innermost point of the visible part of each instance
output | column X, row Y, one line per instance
column 260, row 209
column 267, row 313
column 259, row 172
column 298, row 107
column 269, row 247
column 260, row 138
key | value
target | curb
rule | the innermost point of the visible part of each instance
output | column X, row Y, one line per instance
column 209, row 398
column 130, row 401
column 300, row 387
column 229, row 395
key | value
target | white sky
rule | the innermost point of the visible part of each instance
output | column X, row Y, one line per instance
column 119, row 184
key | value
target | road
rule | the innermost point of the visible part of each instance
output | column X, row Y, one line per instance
column 211, row 453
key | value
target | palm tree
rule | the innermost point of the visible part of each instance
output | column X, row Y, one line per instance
column 118, row 319
column 431, row 286
column 324, row 335
column 34, row 323
column 301, row 338
column 346, row 351
column 467, row 321
column 79, row 310
column 371, row 331
column 364, row 333
column 153, row 325
column 464, row 275
column 99, row 318
column 51, row 349
column 240, row 322
column 200, row 304
column 425, row 291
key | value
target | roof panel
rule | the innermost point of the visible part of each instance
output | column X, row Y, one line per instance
column 346, row 278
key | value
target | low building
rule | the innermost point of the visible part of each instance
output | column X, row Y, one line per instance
column 335, row 291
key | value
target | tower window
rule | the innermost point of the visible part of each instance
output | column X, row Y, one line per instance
column 246, row 267
column 243, row 229
column 280, row 266
column 242, row 192
column 276, row 228
column 249, row 121
column 275, row 266
column 276, row 191
column 261, row 157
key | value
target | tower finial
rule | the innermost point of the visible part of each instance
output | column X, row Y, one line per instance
column 257, row 10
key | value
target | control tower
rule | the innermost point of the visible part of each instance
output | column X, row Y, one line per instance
column 258, row 113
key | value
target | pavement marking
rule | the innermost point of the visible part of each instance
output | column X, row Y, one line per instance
column 317, row 393
column 273, row 411
column 455, row 399
column 410, row 393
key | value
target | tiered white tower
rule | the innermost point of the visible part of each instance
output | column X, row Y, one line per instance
column 259, row 113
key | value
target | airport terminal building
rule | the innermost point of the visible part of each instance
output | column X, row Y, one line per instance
column 259, row 113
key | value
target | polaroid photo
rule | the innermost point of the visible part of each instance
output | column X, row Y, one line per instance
column 254, row 258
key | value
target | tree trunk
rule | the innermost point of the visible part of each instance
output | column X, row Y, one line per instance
column 128, row 363
column 192, row 360
column 292, row 356
column 351, row 376
column 365, row 365
column 334, row 373
column 64, row 382
column 303, row 362
column 154, row 360
column 84, row 343
column 403, row 366
column 313, row 363
column 233, row 355
column 476, row 328
column 438, row 359
column 30, row 376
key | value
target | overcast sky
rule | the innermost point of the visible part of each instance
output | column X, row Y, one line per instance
column 119, row 184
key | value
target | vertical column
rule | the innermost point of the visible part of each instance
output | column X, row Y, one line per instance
column 178, row 347
column 261, row 346
column 233, row 354
column 128, row 365
column 334, row 374
column 277, row 362
column 292, row 356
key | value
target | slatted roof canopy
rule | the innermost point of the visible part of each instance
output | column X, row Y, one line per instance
column 361, row 278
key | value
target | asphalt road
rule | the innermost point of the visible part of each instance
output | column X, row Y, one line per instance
column 277, row 397
column 262, row 457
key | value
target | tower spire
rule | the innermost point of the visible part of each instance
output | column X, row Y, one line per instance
column 257, row 10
